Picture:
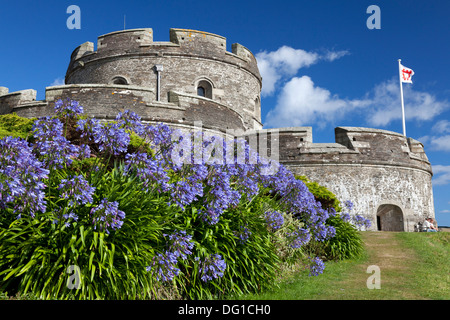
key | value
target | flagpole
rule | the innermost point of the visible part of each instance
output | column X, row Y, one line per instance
column 401, row 96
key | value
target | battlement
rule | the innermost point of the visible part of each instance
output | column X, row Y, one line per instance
column 11, row 100
column 353, row 146
column 125, row 40
column 136, row 40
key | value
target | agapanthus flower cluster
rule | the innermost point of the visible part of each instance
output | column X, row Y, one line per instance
column 68, row 107
column 51, row 147
column 164, row 266
column 150, row 171
column 317, row 224
column 243, row 234
column 21, row 178
column 298, row 238
column 131, row 121
column 274, row 220
column 317, row 266
column 110, row 137
column 71, row 216
column 295, row 199
column 361, row 222
column 221, row 195
column 77, row 190
column 357, row 220
column 180, row 244
column 159, row 134
column 212, row 267
column 106, row 215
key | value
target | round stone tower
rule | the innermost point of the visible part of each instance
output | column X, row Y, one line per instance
column 190, row 78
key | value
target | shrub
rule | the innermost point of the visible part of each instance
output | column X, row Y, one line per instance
column 14, row 126
column 347, row 242
column 126, row 210
column 327, row 198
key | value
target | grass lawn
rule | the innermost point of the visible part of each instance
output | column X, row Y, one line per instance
column 412, row 266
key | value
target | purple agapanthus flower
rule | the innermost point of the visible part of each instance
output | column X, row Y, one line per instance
column 317, row 266
column 77, row 190
column 21, row 178
column 212, row 267
column 180, row 244
column 274, row 220
column 163, row 266
column 68, row 107
column 107, row 215
column 51, row 147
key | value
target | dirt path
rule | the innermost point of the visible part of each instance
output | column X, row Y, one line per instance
column 393, row 261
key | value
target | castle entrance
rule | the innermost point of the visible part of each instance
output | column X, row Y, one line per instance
column 390, row 218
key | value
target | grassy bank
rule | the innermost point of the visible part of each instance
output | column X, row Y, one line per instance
column 412, row 266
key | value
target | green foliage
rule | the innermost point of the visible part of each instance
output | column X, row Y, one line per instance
column 15, row 126
column 327, row 198
column 35, row 254
column 251, row 264
column 47, row 256
column 347, row 243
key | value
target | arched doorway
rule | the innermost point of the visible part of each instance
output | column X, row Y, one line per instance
column 390, row 218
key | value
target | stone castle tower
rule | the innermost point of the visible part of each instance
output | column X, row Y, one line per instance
column 194, row 78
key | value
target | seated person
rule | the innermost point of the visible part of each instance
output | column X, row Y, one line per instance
column 428, row 225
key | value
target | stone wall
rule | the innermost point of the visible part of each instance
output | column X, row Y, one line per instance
column 106, row 101
column 385, row 175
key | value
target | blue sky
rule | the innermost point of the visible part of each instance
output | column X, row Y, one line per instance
column 322, row 66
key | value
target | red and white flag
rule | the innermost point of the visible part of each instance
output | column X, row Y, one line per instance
column 406, row 74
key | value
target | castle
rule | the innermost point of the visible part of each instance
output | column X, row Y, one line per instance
column 194, row 78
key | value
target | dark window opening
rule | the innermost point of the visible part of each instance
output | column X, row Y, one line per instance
column 204, row 89
column 119, row 80
column 201, row 91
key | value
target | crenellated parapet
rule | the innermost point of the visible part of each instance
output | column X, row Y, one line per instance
column 192, row 62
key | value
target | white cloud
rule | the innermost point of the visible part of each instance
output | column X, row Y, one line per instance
column 441, row 143
column 285, row 62
column 442, row 126
column 444, row 211
column 301, row 103
column 386, row 106
column 435, row 142
column 441, row 175
column 58, row 82
column 333, row 55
